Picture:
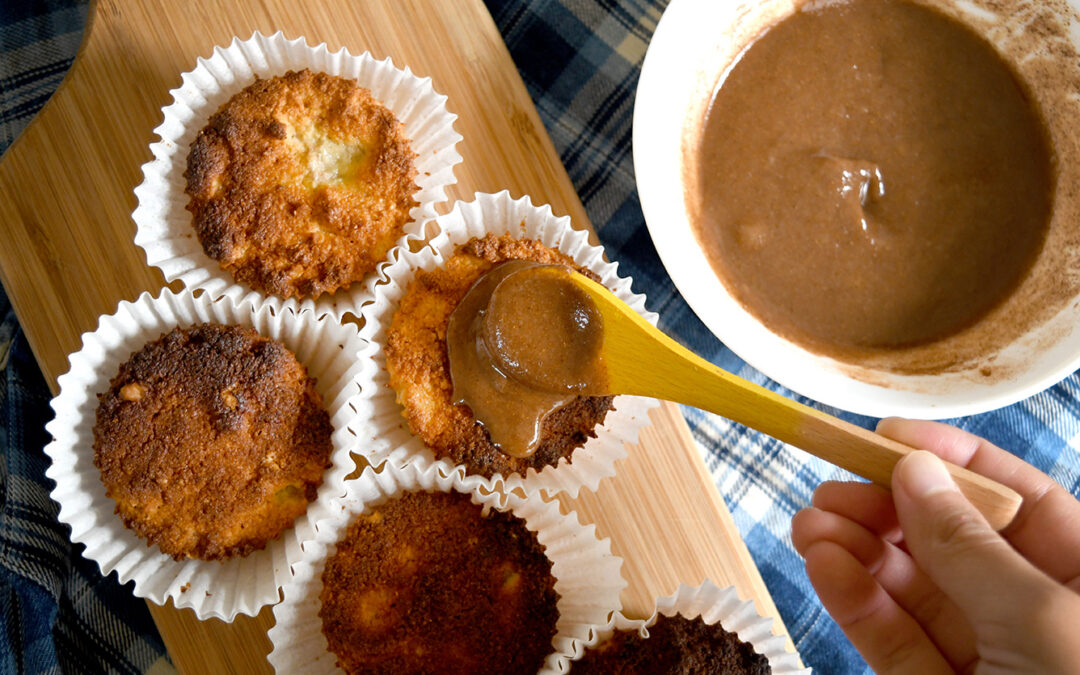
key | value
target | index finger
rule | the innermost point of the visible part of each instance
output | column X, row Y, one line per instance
column 1046, row 530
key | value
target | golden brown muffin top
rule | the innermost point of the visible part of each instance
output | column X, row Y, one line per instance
column 675, row 645
column 419, row 367
column 300, row 184
column 211, row 440
column 427, row 583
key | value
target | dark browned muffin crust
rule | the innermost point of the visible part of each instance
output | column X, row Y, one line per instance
column 211, row 440
column 675, row 645
column 300, row 184
column 426, row 583
column 419, row 366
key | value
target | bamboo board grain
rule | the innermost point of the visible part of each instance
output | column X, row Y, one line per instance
column 68, row 256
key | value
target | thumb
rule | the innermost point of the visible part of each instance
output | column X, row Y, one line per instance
column 951, row 541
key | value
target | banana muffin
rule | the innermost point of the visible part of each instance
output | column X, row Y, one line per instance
column 431, row 583
column 418, row 365
column 675, row 645
column 300, row 184
column 212, row 440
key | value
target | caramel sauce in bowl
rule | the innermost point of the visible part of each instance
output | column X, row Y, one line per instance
column 1022, row 344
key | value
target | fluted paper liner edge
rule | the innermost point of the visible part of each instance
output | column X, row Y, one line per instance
column 713, row 604
column 240, row 585
column 164, row 226
column 587, row 576
column 383, row 433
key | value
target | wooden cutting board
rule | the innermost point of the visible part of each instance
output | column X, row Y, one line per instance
column 68, row 255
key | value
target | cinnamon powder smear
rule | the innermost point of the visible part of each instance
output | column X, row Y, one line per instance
column 872, row 175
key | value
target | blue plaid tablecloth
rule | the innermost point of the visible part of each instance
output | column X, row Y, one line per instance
column 580, row 60
column 57, row 613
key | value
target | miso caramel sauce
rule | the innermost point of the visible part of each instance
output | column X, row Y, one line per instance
column 524, row 341
column 873, row 175
column 895, row 185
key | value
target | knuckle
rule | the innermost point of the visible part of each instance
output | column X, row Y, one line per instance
column 962, row 533
column 930, row 606
column 900, row 653
column 998, row 630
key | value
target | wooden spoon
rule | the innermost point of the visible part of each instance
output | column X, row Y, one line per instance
column 643, row 361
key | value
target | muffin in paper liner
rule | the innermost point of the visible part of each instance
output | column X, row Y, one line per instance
column 587, row 575
column 164, row 225
column 219, row 589
column 383, row 433
column 714, row 604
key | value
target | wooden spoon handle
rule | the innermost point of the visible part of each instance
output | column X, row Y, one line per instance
column 846, row 445
column 873, row 456
column 643, row 360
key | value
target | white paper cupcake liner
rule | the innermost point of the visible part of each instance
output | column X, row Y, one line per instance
column 164, row 225
column 383, row 433
column 714, row 605
column 587, row 575
column 218, row 589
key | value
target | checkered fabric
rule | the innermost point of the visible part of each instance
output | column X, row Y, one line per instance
column 57, row 613
column 38, row 41
column 580, row 60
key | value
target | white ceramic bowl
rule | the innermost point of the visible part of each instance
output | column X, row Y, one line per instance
column 695, row 41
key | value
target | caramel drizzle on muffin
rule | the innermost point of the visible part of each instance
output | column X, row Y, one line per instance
column 419, row 367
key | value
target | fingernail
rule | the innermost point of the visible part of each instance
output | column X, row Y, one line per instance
column 922, row 474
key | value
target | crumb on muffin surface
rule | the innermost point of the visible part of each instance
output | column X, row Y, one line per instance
column 429, row 583
column 300, row 184
column 419, row 367
column 675, row 644
column 211, row 440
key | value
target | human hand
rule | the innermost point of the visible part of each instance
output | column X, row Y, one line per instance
column 920, row 583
